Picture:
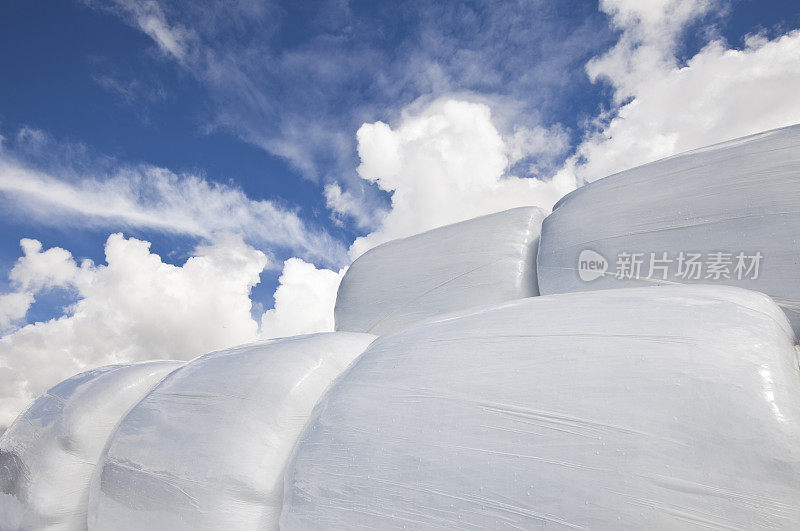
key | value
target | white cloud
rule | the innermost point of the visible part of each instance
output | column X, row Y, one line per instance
column 32, row 273
column 147, row 15
column 650, row 33
column 447, row 163
column 13, row 308
column 304, row 301
column 134, row 308
column 156, row 198
column 345, row 204
column 536, row 142
column 720, row 94
column 665, row 107
column 37, row 270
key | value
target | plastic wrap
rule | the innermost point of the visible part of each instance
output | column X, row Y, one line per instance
column 485, row 260
column 48, row 455
column 645, row 408
column 733, row 207
column 206, row 449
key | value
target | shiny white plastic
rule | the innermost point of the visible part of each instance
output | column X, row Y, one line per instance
column 485, row 260
column 48, row 455
column 206, row 449
column 646, row 408
column 738, row 197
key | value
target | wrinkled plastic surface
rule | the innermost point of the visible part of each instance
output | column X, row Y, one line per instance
column 206, row 449
column 741, row 196
column 485, row 260
column 48, row 455
column 661, row 407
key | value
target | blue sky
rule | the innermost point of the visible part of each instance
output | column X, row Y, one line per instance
column 82, row 74
column 295, row 128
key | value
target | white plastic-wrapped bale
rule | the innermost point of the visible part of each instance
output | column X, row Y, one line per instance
column 485, row 260
column 48, row 455
column 206, row 449
column 726, row 214
column 643, row 408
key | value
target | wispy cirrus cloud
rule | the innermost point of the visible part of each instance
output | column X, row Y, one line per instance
column 106, row 195
column 172, row 39
column 298, row 80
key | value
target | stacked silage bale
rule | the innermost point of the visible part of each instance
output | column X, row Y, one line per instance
column 481, row 404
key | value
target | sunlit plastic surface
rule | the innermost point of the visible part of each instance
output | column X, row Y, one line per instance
column 647, row 408
column 48, row 455
column 485, row 260
column 733, row 207
column 206, row 449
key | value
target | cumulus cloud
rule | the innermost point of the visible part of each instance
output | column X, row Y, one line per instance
column 536, row 143
column 650, row 32
column 447, row 163
column 13, row 308
column 37, row 270
column 304, row 300
column 32, row 273
column 345, row 204
column 666, row 107
column 135, row 307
